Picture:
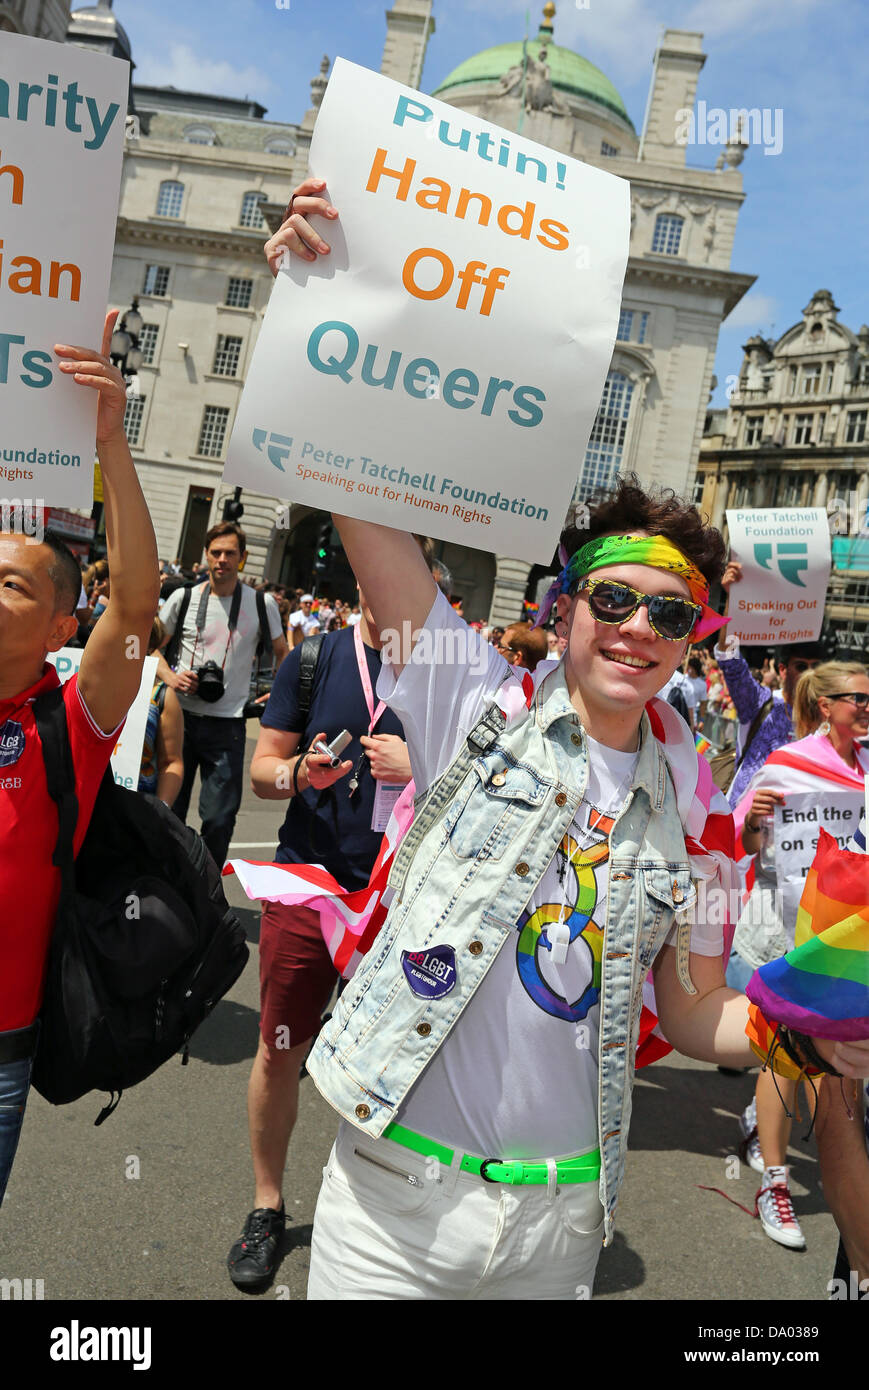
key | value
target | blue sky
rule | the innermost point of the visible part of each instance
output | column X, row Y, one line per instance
column 805, row 221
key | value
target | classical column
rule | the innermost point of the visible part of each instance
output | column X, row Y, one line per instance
column 819, row 498
column 511, row 579
column 719, row 505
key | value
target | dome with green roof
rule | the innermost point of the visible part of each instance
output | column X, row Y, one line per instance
column 570, row 73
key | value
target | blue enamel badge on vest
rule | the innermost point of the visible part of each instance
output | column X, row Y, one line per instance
column 431, row 974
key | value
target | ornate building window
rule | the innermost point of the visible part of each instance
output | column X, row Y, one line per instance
column 644, row 324
column 156, row 280
column 792, row 381
column 200, row 135
column 753, row 430
column 803, row 428
column 170, row 199
column 251, row 214
column 811, row 378
column 148, row 342
column 133, row 414
column 279, row 146
column 605, row 447
column 855, row 427
column 828, row 383
column 610, row 151
column 212, row 433
column 626, row 323
column 238, row 292
column 667, row 235
column 226, row 355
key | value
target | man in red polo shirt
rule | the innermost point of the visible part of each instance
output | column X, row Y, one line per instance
column 39, row 591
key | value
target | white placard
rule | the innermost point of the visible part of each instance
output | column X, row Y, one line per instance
column 441, row 369
column 785, row 558
column 127, row 755
column 795, row 830
column 62, row 114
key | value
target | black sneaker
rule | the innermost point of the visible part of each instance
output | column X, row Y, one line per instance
column 252, row 1259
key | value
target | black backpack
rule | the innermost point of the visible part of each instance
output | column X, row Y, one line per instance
column 144, row 943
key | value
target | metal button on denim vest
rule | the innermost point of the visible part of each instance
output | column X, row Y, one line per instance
column 482, row 838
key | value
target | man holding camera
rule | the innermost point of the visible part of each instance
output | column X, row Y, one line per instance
column 212, row 664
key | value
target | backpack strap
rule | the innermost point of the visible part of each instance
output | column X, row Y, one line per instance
column 173, row 648
column 265, row 637
column 309, row 655
column 49, row 711
column 756, row 722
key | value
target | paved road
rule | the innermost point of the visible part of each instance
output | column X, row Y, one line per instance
column 74, row 1219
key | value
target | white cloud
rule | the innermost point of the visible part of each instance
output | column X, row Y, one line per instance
column 182, row 67
column 755, row 311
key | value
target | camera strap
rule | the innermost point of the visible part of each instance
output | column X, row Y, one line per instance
column 202, row 611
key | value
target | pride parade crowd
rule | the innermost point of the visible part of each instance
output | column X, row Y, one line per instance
column 503, row 864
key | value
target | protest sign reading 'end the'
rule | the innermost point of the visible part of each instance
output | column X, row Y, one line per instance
column 440, row 370
column 62, row 114
column 796, row 825
column 785, row 558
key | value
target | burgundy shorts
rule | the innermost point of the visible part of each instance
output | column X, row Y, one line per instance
column 296, row 974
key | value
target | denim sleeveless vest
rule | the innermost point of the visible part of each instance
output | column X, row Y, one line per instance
column 482, row 838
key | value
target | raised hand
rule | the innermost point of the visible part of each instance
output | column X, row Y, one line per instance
column 295, row 235
column 94, row 369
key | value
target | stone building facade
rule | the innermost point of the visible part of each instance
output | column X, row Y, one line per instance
column 796, row 434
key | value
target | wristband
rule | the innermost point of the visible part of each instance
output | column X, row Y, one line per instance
column 752, row 829
column 296, row 765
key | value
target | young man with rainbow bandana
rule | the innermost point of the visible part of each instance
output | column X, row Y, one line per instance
column 482, row 1056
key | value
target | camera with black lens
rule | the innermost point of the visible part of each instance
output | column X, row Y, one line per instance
column 210, row 682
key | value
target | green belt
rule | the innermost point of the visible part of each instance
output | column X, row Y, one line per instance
column 586, row 1168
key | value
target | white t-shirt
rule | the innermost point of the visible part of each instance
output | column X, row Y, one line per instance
column 698, row 690
column 517, row 1076
column 306, row 621
column 215, row 643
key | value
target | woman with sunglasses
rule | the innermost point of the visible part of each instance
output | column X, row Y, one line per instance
column 831, row 715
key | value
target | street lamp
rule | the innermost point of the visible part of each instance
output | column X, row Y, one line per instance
column 125, row 351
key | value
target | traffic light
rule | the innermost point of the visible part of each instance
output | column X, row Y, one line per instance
column 323, row 548
column 233, row 509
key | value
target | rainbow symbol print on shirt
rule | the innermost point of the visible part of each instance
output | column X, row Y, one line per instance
column 568, row 989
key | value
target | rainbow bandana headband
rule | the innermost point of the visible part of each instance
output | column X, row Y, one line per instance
column 657, row 551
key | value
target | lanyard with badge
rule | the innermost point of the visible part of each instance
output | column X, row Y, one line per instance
column 386, row 794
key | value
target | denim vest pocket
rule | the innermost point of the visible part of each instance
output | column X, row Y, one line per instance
column 503, row 795
column 669, row 890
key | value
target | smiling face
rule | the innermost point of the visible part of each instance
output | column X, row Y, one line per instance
column 31, row 624
column 616, row 669
column 846, row 719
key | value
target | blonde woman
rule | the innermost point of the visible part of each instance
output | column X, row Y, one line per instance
column 831, row 712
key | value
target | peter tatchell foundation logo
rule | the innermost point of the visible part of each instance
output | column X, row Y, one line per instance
column 11, row 742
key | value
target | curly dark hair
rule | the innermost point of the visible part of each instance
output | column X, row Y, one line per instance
column 658, row 512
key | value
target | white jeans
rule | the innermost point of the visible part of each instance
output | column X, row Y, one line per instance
column 391, row 1224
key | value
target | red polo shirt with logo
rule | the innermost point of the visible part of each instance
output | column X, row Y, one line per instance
column 29, row 882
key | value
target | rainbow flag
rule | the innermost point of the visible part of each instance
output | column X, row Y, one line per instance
column 821, row 987
column 701, row 744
